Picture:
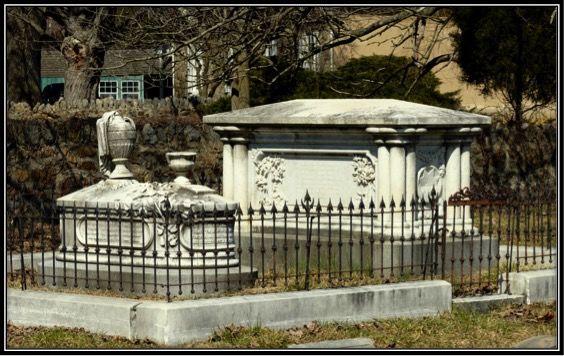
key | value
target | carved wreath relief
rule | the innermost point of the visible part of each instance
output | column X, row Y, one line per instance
column 432, row 171
column 268, row 178
column 429, row 177
column 364, row 175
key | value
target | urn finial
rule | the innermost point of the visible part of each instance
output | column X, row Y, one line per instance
column 116, row 139
column 181, row 163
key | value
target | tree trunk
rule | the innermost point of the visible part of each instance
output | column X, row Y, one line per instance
column 84, row 52
column 84, row 60
column 240, row 87
column 519, row 73
column 23, row 62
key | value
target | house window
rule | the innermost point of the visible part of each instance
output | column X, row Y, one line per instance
column 130, row 89
column 108, row 88
column 192, row 77
column 227, row 89
column 52, row 88
column 126, row 88
column 192, row 73
column 306, row 44
column 271, row 49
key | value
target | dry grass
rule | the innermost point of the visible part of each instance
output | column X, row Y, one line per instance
column 501, row 328
column 461, row 329
column 466, row 284
column 270, row 285
column 66, row 338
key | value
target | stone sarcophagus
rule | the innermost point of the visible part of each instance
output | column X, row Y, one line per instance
column 164, row 236
column 349, row 149
column 148, row 224
column 120, row 221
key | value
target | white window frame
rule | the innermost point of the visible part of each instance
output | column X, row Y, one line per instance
column 306, row 43
column 227, row 89
column 192, row 72
column 271, row 49
column 115, row 95
column 123, row 92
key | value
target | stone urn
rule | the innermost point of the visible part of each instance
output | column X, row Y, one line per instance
column 181, row 163
column 121, row 139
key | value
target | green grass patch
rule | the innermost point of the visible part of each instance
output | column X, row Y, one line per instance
column 67, row 338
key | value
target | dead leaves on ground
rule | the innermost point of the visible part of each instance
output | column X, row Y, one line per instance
column 527, row 313
column 310, row 328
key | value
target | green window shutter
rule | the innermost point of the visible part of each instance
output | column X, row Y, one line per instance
column 45, row 81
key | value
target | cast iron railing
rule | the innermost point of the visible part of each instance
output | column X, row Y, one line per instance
column 472, row 241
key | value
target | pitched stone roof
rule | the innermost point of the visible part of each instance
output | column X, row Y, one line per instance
column 348, row 112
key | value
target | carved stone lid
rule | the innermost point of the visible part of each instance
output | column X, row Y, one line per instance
column 347, row 112
column 130, row 193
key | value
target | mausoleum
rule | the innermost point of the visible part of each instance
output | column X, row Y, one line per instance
column 344, row 149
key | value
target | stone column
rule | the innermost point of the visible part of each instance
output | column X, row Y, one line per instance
column 410, row 178
column 240, row 173
column 397, row 178
column 383, row 175
column 396, row 169
column 227, row 169
column 397, row 173
column 465, row 166
column 452, row 179
column 465, row 174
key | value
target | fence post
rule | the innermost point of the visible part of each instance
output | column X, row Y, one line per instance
column 21, row 238
column 307, row 205
column 443, row 240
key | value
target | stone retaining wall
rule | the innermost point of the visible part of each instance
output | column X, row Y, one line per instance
column 54, row 147
column 147, row 109
column 55, row 150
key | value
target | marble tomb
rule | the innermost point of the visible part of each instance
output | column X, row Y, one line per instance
column 157, row 229
column 379, row 149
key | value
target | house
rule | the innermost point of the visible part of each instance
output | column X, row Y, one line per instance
column 181, row 74
column 384, row 44
column 125, row 77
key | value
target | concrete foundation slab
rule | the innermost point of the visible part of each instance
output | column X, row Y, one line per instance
column 383, row 257
column 138, row 280
column 357, row 343
column 111, row 316
column 485, row 303
column 537, row 286
column 175, row 323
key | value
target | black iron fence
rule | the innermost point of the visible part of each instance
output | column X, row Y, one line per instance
column 523, row 225
column 472, row 240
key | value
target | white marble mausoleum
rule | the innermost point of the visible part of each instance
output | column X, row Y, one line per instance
column 344, row 149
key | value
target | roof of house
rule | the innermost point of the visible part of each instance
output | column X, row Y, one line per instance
column 53, row 64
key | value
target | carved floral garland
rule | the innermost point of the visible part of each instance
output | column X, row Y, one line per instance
column 269, row 174
column 364, row 173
